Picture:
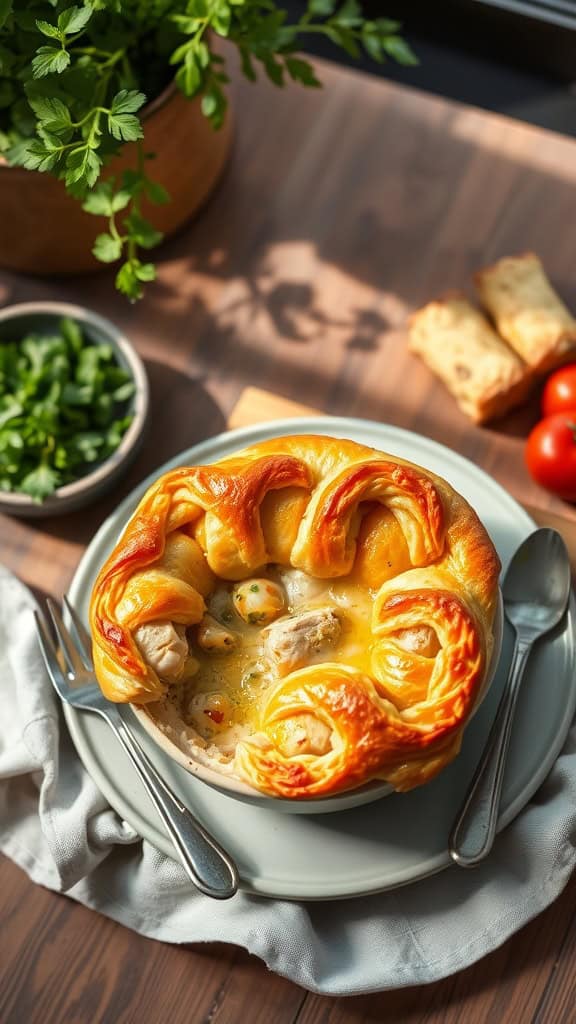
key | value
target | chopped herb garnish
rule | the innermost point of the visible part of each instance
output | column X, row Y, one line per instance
column 254, row 588
column 63, row 409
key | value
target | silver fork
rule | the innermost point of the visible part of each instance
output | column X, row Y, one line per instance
column 209, row 867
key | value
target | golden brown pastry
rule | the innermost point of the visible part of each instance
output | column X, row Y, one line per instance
column 307, row 615
column 458, row 344
column 527, row 311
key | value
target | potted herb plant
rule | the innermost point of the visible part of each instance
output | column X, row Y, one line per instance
column 95, row 115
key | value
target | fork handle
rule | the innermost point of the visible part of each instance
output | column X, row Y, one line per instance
column 209, row 867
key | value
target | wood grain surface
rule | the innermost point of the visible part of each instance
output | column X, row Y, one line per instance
column 341, row 211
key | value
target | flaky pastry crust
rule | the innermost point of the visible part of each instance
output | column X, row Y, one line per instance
column 335, row 510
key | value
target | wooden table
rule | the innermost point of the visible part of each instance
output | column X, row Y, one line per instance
column 341, row 211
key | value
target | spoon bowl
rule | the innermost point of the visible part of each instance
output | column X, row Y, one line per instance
column 537, row 584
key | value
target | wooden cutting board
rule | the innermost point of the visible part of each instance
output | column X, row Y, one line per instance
column 257, row 406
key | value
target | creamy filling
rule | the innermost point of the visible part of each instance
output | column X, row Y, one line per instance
column 252, row 635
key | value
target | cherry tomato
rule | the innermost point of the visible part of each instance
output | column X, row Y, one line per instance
column 551, row 454
column 559, row 392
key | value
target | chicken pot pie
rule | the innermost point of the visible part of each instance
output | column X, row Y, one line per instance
column 306, row 616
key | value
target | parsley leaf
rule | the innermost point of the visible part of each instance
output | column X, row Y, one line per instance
column 50, row 60
column 52, row 113
column 127, row 101
column 74, row 20
column 107, row 249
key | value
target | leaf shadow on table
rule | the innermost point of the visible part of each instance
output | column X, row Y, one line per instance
column 417, row 197
column 184, row 414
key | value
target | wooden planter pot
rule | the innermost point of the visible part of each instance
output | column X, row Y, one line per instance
column 44, row 231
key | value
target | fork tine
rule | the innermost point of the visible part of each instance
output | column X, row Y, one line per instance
column 49, row 655
column 80, row 634
column 71, row 656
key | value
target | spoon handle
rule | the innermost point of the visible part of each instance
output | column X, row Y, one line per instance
column 474, row 829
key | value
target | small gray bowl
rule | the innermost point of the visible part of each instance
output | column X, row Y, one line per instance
column 42, row 318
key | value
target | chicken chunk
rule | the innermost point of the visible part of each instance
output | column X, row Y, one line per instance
column 293, row 642
column 213, row 637
column 164, row 647
column 259, row 601
column 421, row 640
column 303, row 734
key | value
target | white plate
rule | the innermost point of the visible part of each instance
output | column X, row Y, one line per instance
column 395, row 840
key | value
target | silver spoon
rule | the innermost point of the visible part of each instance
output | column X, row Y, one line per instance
column 536, row 589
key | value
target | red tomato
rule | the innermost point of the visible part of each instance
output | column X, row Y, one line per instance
column 551, row 454
column 559, row 392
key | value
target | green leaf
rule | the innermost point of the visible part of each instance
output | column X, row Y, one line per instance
column 74, row 19
column 180, row 52
column 146, row 272
column 372, row 42
column 52, row 142
column 185, row 24
column 125, row 127
column 221, row 18
column 120, row 200
column 107, row 249
column 156, row 193
column 132, row 181
column 131, row 275
column 386, row 26
column 321, row 8
column 99, row 200
column 141, row 231
column 12, row 409
column 52, row 113
column 71, row 333
column 127, row 101
column 36, row 157
column 127, row 281
column 49, row 60
column 189, row 76
column 400, row 51
column 126, row 390
column 203, row 54
column 48, row 30
column 83, row 165
column 344, row 37
column 40, row 483
column 350, row 14
column 209, row 104
column 77, row 394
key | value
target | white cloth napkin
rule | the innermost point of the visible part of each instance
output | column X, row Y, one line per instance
column 57, row 826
